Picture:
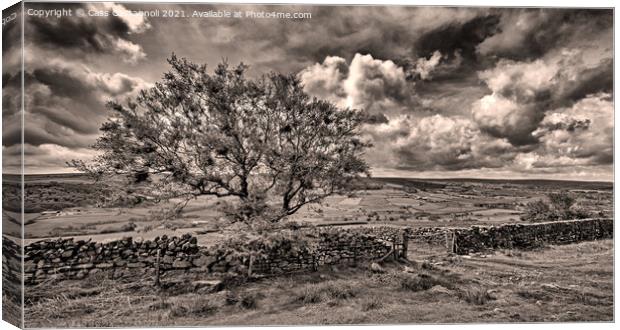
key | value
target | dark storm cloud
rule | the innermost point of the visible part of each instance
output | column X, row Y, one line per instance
column 60, row 83
column 85, row 35
column 11, row 33
column 590, row 81
column 65, row 103
column 11, row 135
column 11, row 86
column 71, row 31
column 385, row 32
column 11, row 95
column 526, row 34
column 6, row 77
column 461, row 38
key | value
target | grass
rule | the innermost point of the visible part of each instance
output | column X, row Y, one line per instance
column 320, row 292
column 371, row 303
column 476, row 295
column 244, row 300
column 418, row 282
column 198, row 307
column 533, row 294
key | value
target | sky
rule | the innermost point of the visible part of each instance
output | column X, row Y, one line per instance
column 453, row 92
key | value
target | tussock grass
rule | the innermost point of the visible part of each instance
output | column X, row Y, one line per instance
column 198, row 307
column 476, row 295
column 418, row 282
column 371, row 303
column 320, row 292
column 590, row 299
column 533, row 294
column 244, row 300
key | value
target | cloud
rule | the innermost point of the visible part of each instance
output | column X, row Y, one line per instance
column 136, row 22
column 463, row 37
column 88, row 35
column 64, row 108
column 502, row 117
column 132, row 53
column 526, row 34
column 522, row 92
column 325, row 80
column 385, row 32
column 436, row 143
column 558, row 121
column 375, row 86
column 582, row 133
column 424, row 67
column 447, row 90
column 39, row 159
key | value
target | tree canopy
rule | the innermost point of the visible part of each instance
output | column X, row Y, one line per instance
column 223, row 134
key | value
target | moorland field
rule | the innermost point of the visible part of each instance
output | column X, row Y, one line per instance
column 551, row 283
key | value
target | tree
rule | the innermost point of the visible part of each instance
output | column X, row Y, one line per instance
column 223, row 134
column 561, row 206
column 561, row 203
column 538, row 210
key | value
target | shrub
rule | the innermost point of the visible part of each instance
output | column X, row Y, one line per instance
column 131, row 226
column 335, row 290
column 477, row 295
column 196, row 307
column 419, row 282
column 561, row 206
column 533, row 294
column 248, row 300
column 371, row 303
column 561, row 202
column 245, row 300
column 537, row 211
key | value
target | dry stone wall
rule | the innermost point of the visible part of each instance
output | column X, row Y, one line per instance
column 66, row 258
column 476, row 239
column 429, row 235
column 332, row 247
column 71, row 259
column 12, row 279
column 11, row 263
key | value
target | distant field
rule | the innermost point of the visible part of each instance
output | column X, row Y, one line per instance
column 66, row 205
column 561, row 184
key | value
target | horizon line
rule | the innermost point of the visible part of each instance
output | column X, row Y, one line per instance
column 389, row 176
